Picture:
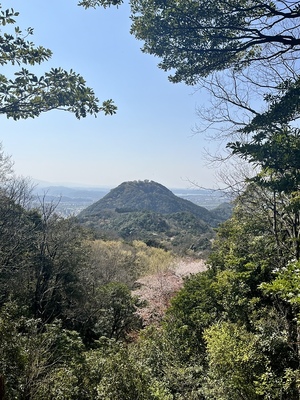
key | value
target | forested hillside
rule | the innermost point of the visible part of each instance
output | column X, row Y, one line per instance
column 148, row 211
column 145, row 196
column 69, row 326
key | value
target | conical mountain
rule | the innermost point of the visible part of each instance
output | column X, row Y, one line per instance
column 148, row 211
column 145, row 196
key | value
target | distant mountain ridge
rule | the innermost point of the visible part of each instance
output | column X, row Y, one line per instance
column 148, row 211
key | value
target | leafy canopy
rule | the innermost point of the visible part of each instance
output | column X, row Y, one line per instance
column 196, row 38
column 102, row 3
column 28, row 95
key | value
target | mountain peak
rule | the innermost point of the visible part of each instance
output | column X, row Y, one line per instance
column 145, row 195
column 148, row 211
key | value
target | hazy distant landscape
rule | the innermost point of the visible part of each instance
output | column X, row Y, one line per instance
column 72, row 200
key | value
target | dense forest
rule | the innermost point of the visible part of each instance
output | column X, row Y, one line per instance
column 69, row 326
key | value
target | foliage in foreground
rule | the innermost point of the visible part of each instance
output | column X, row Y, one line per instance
column 28, row 95
column 231, row 333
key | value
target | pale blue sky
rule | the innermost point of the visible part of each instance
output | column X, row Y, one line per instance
column 150, row 137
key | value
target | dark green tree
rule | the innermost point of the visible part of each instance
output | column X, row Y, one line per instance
column 115, row 314
column 196, row 38
column 102, row 3
column 28, row 95
column 239, row 51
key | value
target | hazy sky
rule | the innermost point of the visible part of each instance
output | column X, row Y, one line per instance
column 150, row 137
